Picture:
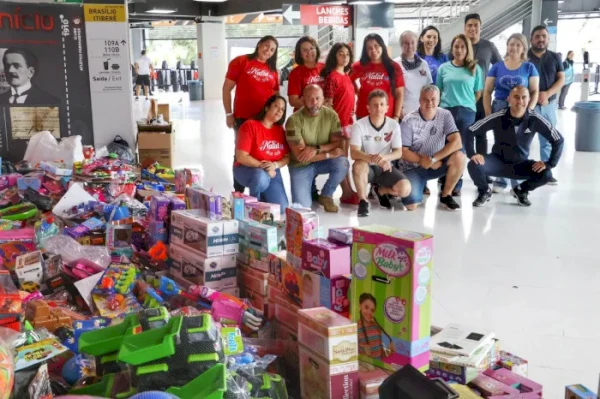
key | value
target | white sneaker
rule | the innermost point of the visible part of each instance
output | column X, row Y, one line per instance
column 498, row 189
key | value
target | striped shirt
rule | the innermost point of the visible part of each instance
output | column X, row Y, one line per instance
column 371, row 340
column 512, row 137
column 426, row 137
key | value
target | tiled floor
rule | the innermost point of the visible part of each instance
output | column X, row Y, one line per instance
column 530, row 275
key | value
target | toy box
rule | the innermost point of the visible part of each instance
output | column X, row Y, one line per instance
column 342, row 235
column 10, row 300
column 464, row 392
column 159, row 208
column 216, row 272
column 507, row 377
column 301, row 224
column 529, row 395
column 253, row 279
column 185, row 178
column 292, row 283
column 256, row 300
column 263, row 211
column 276, row 262
column 204, row 236
column 328, row 334
column 30, row 271
column 209, row 203
column 319, row 379
column 238, row 204
column 326, row 258
column 253, row 255
column 330, row 293
column 391, row 294
column 176, row 204
column 513, row 363
column 578, row 391
column 260, row 235
column 463, row 369
column 286, row 313
column 491, row 387
column 370, row 381
column 57, row 168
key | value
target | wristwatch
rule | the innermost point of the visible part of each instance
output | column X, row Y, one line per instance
column 318, row 149
column 433, row 160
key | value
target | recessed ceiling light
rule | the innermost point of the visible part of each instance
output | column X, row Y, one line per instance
column 161, row 11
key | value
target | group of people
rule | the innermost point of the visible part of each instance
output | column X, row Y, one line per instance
column 403, row 122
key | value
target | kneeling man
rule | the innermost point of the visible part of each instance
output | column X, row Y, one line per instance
column 376, row 142
column 514, row 128
column 432, row 149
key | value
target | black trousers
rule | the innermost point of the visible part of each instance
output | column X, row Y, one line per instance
column 236, row 129
column 481, row 142
column 563, row 95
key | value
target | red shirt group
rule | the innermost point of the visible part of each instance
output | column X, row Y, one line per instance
column 261, row 143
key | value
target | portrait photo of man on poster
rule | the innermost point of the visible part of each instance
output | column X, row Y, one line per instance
column 20, row 68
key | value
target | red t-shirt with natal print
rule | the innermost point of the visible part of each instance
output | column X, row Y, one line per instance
column 301, row 76
column 340, row 88
column 372, row 77
column 261, row 143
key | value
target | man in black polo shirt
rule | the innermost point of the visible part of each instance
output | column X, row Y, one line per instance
column 552, row 79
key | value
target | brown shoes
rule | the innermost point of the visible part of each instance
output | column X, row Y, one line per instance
column 328, row 204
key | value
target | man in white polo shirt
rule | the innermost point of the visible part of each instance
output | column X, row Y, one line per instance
column 143, row 68
column 376, row 142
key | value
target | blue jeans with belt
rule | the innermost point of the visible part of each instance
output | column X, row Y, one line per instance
column 303, row 177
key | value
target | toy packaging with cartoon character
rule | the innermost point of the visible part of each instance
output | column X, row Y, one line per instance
column 391, row 296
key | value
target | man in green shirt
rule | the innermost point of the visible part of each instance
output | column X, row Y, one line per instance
column 314, row 134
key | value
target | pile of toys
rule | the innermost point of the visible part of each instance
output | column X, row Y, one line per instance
column 117, row 281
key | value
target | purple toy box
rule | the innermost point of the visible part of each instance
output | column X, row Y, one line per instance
column 159, row 208
column 326, row 258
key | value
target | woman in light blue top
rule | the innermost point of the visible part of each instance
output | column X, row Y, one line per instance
column 569, row 79
column 503, row 77
column 461, row 83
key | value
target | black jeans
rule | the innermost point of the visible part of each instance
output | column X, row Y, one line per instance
column 563, row 95
column 236, row 128
column 481, row 142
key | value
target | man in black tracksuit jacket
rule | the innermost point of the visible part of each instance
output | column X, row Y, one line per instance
column 513, row 128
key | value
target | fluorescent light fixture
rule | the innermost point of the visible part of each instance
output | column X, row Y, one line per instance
column 161, row 11
column 364, row 2
column 211, row 1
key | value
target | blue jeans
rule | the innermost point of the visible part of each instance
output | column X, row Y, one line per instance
column 495, row 166
column 463, row 118
column 548, row 112
column 302, row 179
column 418, row 178
column 261, row 185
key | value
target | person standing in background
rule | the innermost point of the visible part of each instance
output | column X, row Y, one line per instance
column 430, row 49
column 308, row 71
column 552, row 79
column 255, row 79
column 569, row 79
column 415, row 71
column 340, row 94
column 143, row 69
column 376, row 70
column 502, row 77
column 461, row 86
column 486, row 54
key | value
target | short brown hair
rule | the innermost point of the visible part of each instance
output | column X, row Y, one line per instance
column 378, row 94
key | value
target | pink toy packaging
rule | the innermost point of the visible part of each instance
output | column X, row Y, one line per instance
column 238, row 204
column 302, row 224
column 342, row 235
column 319, row 379
column 263, row 212
column 326, row 258
column 514, row 363
column 517, row 396
column 185, row 178
column 159, row 208
column 209, row 203
column 491, row 387
column 391, row 296
column 507, row 377
column 330, row 293
column 329, row 335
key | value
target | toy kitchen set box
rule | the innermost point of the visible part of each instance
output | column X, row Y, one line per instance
column 391, row 296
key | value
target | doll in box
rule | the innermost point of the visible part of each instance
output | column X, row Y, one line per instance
column 370, row 333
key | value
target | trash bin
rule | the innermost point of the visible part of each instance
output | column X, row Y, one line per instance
column 196, row 90
column 587, row 129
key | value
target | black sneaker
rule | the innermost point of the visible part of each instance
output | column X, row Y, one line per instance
column 315, row 195
column 482, row 198
column 553, row 182
column 490, row 180
column 384, row 200
column 521, row 196
column 363, row 208
column 449, row 203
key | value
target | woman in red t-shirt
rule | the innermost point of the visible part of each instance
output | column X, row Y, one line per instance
column 308, row 71
column 376, row 70
column 340, row 95
column 262, row 151
column 255, row 79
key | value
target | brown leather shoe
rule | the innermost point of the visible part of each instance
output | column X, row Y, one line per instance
column 328, row 204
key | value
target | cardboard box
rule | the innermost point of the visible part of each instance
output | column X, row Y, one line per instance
column 216, row 272
column 286, row 313
column 463, row 369
column 342, row 235
column 238, row 204
column 330, row 293
column 392, row 272
column 326, row 258
column 259, row 235
column 292, row 283
column 301, row 224
column 157, row 146
column 490, row 387
column 320, row 379
column 204, row 236
column 578, row 391
column 263, row 212
column 30, row 271
column 328, row 334
column 370, row 381
column 210, row 203
column 507, row 377
column 513, row 363
column 253, row 280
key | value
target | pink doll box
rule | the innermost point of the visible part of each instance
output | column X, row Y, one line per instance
column 253, row 279
column 328, row 334
column 286, row 313
column 263, row 211
column 330, row 293
column 514, row 363
column 507, row 377
column 319, row 379
column 301, row 224
column 326, row 258
column 529, row 395
column 159, row 208
column 491, row 387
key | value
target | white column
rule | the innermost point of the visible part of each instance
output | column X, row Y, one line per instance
column 136, row 42
column 212, row 57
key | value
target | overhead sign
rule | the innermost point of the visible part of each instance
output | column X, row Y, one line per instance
column 254, row 18
column 104, row 13
column 291, row 14
column 325, row 15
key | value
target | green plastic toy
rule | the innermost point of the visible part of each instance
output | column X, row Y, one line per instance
column 212, row 384
column 151, row 345
column 19, row 212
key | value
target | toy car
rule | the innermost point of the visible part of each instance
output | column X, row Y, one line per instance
column 30, row 286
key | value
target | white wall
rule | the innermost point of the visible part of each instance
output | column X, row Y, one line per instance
column 212, row 57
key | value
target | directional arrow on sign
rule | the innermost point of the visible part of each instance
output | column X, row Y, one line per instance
column 289, row 14
column 548, row 21
column 123, row 42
